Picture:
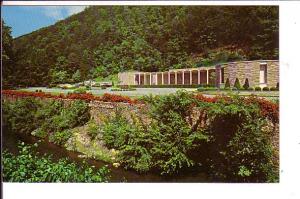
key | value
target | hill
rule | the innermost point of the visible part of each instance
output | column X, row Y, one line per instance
column 104, row 40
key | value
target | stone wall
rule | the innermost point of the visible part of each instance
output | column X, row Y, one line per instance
column 251, row 70
column 101, row 111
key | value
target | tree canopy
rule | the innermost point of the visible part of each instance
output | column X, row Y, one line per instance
column 105, row 40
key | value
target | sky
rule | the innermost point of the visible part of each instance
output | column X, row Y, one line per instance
column 25, row 19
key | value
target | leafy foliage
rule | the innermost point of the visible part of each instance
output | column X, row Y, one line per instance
column 237, row 84
column 7, row 56
column 246, row 84
column 19, row 116
column 45, row 117
column 60, row 137
column 157, row 145
column 27, row 166
column 227, row 137
column 241, row 151
column 227, row 84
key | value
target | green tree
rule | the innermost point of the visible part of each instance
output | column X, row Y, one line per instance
column 246, row 84
column 237, row 84
column 58, row 76
column 227, row 83
column 7, row 56
column 76, row 77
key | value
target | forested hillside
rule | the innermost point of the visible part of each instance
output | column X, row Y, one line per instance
column 104, row 40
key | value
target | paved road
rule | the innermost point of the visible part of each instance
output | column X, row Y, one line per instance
column 98, row 91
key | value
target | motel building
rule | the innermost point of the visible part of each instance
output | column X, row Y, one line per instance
column 262, row 73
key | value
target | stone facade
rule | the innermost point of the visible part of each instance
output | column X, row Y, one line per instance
column 251, row 70
column 259, row 73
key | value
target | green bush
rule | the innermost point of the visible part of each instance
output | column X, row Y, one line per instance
column 92, row 129
column 246, row 84
column 237, row 84
column 19, row 115
column 266, row 89
column 60, row 137
column 114, row 88
column 227, row 84
column 273, row 89
column 257, row 88
column 80, row 90
column 206, row 88
column 244, row 153
column 40, row 132
column 231, row 147
column 88, row 87
column 27, row 166
column 157, row 145
column 28, row 114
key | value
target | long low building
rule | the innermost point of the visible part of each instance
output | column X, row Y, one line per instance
column 259, row 73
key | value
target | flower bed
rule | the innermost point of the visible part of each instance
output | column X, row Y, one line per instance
column 85, row 96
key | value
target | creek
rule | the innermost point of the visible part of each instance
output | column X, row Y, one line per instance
column 10, row 141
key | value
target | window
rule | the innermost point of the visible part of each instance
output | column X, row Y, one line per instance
column 263, row 73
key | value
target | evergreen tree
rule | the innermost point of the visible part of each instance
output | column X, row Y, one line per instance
column 237, row 84
column 227, row 84
column 246, row 84
column 7, row 57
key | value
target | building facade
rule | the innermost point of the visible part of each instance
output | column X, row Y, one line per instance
column 259, row 73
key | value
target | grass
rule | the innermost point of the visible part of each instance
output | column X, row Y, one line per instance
column 243, row 93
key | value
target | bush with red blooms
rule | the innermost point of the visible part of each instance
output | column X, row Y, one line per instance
column 117, row 98
column 85, row 96
column 215, row 99
column 268, row 109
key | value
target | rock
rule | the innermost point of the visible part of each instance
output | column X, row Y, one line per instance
column 82, row 156
column 116, row 164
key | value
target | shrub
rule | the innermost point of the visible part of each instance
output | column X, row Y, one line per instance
column 92, row 129
column 227, row 84
column 237, row 84
column 173, row 140
column 257, row 88
column 250, row 89
column 87, row 87
column 27, row 166
column 206, row 88
column 244, row 153
column 246, row 84
column 116, row 98
column 80, row 90
column 273, row 89
column 143, row 147
column 115, row 89
column 266, row 89
column 60, row 137
column 19, row 115
column 28, row 114
column 77, row 114
column 40, row 132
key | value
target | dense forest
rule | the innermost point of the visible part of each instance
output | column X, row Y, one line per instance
column 104, row 40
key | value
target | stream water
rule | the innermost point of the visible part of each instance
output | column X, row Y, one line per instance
column 10, row 141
